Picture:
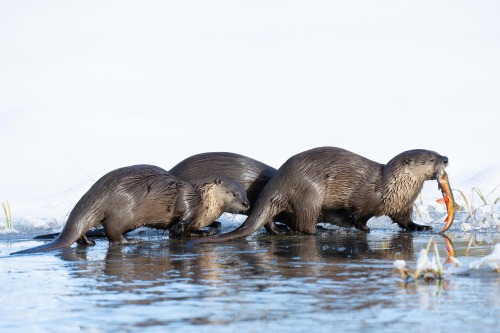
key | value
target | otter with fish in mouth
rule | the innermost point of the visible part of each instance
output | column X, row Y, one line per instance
column 332, row 181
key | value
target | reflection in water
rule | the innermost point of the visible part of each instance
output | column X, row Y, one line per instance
column 338, row 280
column 265, row 256
column 330, row 271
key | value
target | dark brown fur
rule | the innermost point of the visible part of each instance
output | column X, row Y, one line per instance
column 251, row 174
column 146, row 195
column 335, row 183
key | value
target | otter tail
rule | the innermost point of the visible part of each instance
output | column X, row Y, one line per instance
column 57, row 243
column 79, row 221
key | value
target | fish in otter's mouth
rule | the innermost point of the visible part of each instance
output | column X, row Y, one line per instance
column 448, row 200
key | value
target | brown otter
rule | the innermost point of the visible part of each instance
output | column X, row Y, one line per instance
column 336, row 182
column 251, row 174
column 146, row 195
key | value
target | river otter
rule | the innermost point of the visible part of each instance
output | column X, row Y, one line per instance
column 251, row 174
column 146, row 195
column 330, row 180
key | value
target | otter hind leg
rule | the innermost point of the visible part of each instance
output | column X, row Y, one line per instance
column 115, row 228
column 279, row 228
column 342, row 218
column 305, row 217
column 84, row 240
column 122, row 240
column 276, row 229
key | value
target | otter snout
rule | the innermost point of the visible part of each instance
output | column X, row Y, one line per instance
column 444, row 162
column 441, row 164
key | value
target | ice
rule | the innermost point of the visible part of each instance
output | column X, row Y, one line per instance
column 492, row 260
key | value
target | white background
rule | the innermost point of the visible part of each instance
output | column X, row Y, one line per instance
column 90, row 86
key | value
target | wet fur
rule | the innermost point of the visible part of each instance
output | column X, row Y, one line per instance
column 336, row 184
column 251, row 174
column 146, row 195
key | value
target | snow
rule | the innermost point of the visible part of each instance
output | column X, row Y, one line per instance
column 492, row 260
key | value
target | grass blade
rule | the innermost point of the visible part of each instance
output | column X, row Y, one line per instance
column 8, row 216
column 467, row 204
column 478, row 191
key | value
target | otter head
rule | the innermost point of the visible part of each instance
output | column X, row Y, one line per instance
column 404, row 175
column 420, row 164
column 231, row 194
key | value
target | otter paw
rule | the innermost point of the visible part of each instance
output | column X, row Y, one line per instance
column 362, row 227
column 84, row 240
column 126, row 241
column 177, row 231
column 130, row 241
column 278, row 229
column 411, row 226
column 201, row 233
column 215, row 225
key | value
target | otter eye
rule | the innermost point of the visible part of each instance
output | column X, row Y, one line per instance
column 433, row 159
column 234, row 194
column 408, row 161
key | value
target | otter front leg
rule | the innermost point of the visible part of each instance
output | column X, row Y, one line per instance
column 405, row 221
column 412, row 226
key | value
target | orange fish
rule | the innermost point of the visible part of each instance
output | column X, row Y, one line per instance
column 451, row 206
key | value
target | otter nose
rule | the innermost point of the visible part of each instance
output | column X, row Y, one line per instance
column 246, row 204
column 445, row 160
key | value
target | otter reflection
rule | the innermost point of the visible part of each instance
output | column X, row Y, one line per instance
column 289, row 256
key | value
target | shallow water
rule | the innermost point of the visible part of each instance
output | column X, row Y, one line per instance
column 342, row 280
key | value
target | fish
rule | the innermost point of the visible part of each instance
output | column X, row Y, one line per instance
column 448, row 200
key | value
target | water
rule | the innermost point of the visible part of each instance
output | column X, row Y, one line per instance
column 338, row 281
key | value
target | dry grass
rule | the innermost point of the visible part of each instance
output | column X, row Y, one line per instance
column 8, row 216
column 484, row 201
column 425, row 269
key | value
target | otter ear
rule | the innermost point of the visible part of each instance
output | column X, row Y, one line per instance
column 218, row 181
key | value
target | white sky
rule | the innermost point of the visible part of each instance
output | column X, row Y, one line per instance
column 90, row 86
